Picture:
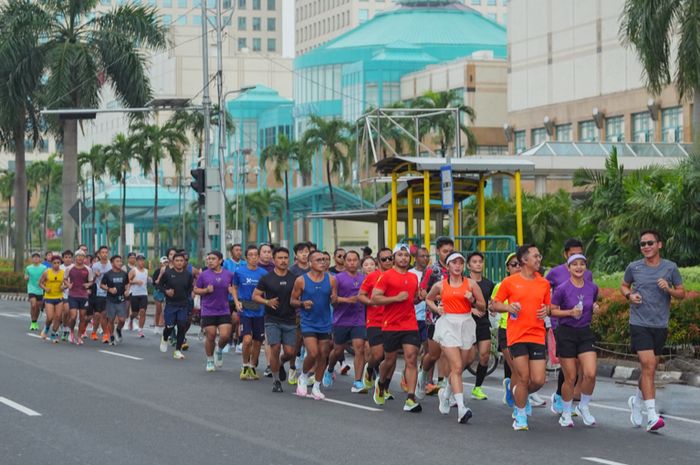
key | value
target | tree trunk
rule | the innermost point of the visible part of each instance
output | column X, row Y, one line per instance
column 122, row 230
column 288, row 214
column 695, row 124
column 70, row 180
column 46, row 212
column 156, row 232
column 21, row 201
column 330, row 191
column 269, row 229
column 94, row 215
column 9, row 226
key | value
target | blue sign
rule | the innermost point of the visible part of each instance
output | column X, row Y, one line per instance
column 448, row 194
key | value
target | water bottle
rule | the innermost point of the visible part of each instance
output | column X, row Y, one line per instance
column 512, row 315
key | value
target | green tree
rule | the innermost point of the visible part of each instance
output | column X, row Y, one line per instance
column 44, row 175
column 651, row 27
column 262, row 204
column 119, row 155
column 95, row 161
column 443, row 126
column 7, row 186
column 193, row 122
column 330, row 136
column 156, row 144
column 107, row 213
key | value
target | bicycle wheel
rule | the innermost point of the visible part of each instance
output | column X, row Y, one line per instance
column 490, row 368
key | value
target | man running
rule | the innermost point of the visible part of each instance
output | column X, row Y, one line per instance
column 51, row 282
column 116, row 283
column 32, row 274
column 301, row 259
column 649, row 284
column 348, row 321
column 66, row 265
column 138, row 280
column 78, row 281
column 177, row 283
column 339, row 259
column 99, row 268
column 475, row 264
column 274, row 291
column 158, row 294
column 528, row 296
column 265, row 258
column 314, row 292
column 214, row 285
column 397, row 290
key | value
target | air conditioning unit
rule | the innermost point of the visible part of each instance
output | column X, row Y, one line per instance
column 642, row 137
column 670, row 135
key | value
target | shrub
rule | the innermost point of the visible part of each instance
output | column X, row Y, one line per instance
column 12, row 282
column 691, row 278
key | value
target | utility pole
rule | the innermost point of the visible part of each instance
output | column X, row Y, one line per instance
column 222, row 128
column 206, row 108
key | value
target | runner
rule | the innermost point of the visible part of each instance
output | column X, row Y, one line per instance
column 475, row 263
column 130, row 265
column 421, row 262
column 214, row 285
column 512, row 267
column 35, row 293
column 274, row 291
column 397, row 291
column 66, row 265
column 368, row 265
column 116, row 283
column 177, row 283
column 456, row 330
column 252, row 314
column 649, row 284
column 301, row 259
column 573, row 303
column 78, row 281
column 348, row 321
column 528, row 295
column 235, row 260
column 99, row 268
column 232, row 264
column 265, row 258
column 138, row 280
column 314, row 292
column 159, row 295
column 51, row 282
column 339, row 259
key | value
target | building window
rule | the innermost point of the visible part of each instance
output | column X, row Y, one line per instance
column 615, row 129
column 241, row 4
column 257, row 45
column 642, row 127
column 476, row 2
column 256, row 24
column 588, row 131
column 167, row 3
column 181, row 20
column 182, row 3
column 242, row 43
column 563, row 133
column 271, row 5
column 519, row 141
column 196, row 20
column 363, row 15
column 167, row 19
column 271, row 45
column 256, row 4
column 271, row 24
column 538, row 135
column 242, row 23
column 672, row 124
column 491, row 2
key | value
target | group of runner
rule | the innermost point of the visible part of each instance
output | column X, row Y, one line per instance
column 309, row 314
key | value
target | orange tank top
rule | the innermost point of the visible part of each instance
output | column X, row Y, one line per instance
column 453, row 300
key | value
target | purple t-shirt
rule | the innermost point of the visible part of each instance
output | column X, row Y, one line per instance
column 216, row 303
column 267, row 266
column 567, row 296
column 345, row 315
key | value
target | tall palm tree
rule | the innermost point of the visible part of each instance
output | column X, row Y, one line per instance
column 650, row 27
column 193, row 122
column 105, row 211
column 444, row 125
column 7, row 186
column 154, row 144
column 44, row 175
column 20, row 74
column 330, row 136
column 262, row 204
column 95, row 160
column 285, row 155
column 119, row 155
column 79, row 51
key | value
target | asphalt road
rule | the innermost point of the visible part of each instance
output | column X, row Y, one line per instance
column 84, row 405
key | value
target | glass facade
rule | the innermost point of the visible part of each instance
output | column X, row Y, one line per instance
column 672, row 124
column 519, row 138
column 615, row 129
column 537, row 136
column 588, row 131
column 642, row 127
column 563, row 133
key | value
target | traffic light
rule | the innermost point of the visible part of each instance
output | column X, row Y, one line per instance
column 199, row 183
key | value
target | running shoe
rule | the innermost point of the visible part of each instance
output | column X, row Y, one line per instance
column 268, row 372
column 420, row 386
column 311, row 380
column 463, row 417
column 239, row 348
column 404, row 384
column 282, row 374
column 118, row 338
column 227, row 348
column 635, row 412
column 93, row 336
column 64, row 336
column 344, row 371
column 79, row 341
column 54, row 338
column 131, row 325
column 520, row 423
column 44, row 333
column 478, row 393
column 218, row 358
column 507, row 394
column 388, row 395
column 253, row 374
column 328, row 379
column 431, row 389
column 565, row 420
column 72, row 338
column 302, row 388
column 358, row 387
column 112, row 340
column 163, row 345
column 84, row 336
column 536, row 400
column 654, row 425
column 585, row 414
column 557, row 405
column 210, row 366
column 105, row 339
column 277, row 386
column 377, row 395
column 292, row 378
column 412, row 406
column 178, row 355
column 453, row 401
column 528, row 407
column 185, row 345
column 316, row 393
column 33, row 326
column 365, row 377
column 444, row 402
column 140, row 333
column 244, row 374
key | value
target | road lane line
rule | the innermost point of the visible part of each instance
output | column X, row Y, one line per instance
column 120, row 355
column 13, row 315
column 19, row 407
column 603, row 461
column 627, row 410
column 34, row 335
column 348, row 404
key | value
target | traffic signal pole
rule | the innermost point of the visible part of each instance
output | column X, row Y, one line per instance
column 206, row 109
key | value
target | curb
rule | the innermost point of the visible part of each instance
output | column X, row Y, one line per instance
column 626, row 373
column 14, row 297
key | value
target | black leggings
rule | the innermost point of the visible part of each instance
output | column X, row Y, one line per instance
column 181, row 332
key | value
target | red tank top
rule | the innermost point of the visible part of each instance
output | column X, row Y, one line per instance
column 453, row 300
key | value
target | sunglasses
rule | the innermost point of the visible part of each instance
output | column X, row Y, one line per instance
column 514, row 265
column 646, row 243
column 340, row 256
column 386, row 259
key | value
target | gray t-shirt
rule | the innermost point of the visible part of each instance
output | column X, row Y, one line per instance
column 654, row 310
column 99, row 267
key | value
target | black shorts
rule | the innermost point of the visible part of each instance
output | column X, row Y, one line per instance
column 483, row 331
column 431, row 331
column 253, row 326
column 573, row 341
column 532, row 350
column 319, row 336
column 78, row 303
column 346, row 334
column 502, row 340
column 215, row 320
column 138, row 302
column 38, row 297
column 375, row 337
column 100, row 304
column 394, row 340
column 232, row 307
column 644, row 338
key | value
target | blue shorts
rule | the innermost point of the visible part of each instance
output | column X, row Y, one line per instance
column 174, row 314
column 345, row 334
column 158, row 296
column 423, row 331
column 77, row 302
column 253, row 326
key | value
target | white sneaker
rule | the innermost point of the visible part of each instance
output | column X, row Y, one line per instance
column 302, row 388
column 565, row 420
column 177, row 355
column 218, row 358
column 210, row 366
column 444, row 402
column 635, row 412
column 585, row 414
column 536, row 400
column 239, row 348
column 227, row 348
column 163, row 345
column 317, row 394
column 420, row 386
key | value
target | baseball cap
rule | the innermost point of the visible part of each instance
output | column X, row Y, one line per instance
column 510, row 257
column 454, row 256
column 574, row 257
column 164, row 260
column 399, row 247
column 140, row 257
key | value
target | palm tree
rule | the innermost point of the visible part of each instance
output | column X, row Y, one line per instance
column 105, row 210
column 444, row 125
column 79, row 51
column 330, row 136
column 650, row 27
column 119, row 155
column 262, row 204
column 193, row 121
column 44, row 175
column 21, row 73
column 285, row 154
column 95, row 159
column 7, row 185
column 155, row 144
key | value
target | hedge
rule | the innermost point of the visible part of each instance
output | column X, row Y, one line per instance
column 12, row 282
column 691, row 279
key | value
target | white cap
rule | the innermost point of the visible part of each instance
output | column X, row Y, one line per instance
column 399, row 247
column 454, row 256
column 164, row 259
column 576, row 256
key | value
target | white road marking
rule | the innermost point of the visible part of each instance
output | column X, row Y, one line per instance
column 603, row 461
column 34, row 335
column 120, row 355
column 14, row 315
column 348, row 404
column 19, row 407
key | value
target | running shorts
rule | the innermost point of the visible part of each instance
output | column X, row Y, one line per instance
column 138, row 302
column 279, row 333
column 455, row 330
column 77, row 302
column 116, row 309
column 395, row 340
column 532, row 350
column 215, row 320
column 644, row 338
column 346, row 334
column 375, row 337
column 254, row 326
column 38, row 297
column 573, row 341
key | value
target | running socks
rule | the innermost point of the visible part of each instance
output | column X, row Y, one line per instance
column 507, row 372
column 480, row 375
column 585, row 399
column 459, row 397
column 650, row 405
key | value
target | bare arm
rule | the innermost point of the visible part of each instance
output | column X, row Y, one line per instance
column 334, row 290
column 430, row 299
column 295, row 299
column 363, row 297
column 42, row 281
column 479, row 301
column 378, row 297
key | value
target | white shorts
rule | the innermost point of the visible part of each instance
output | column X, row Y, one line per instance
column 455, row 330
